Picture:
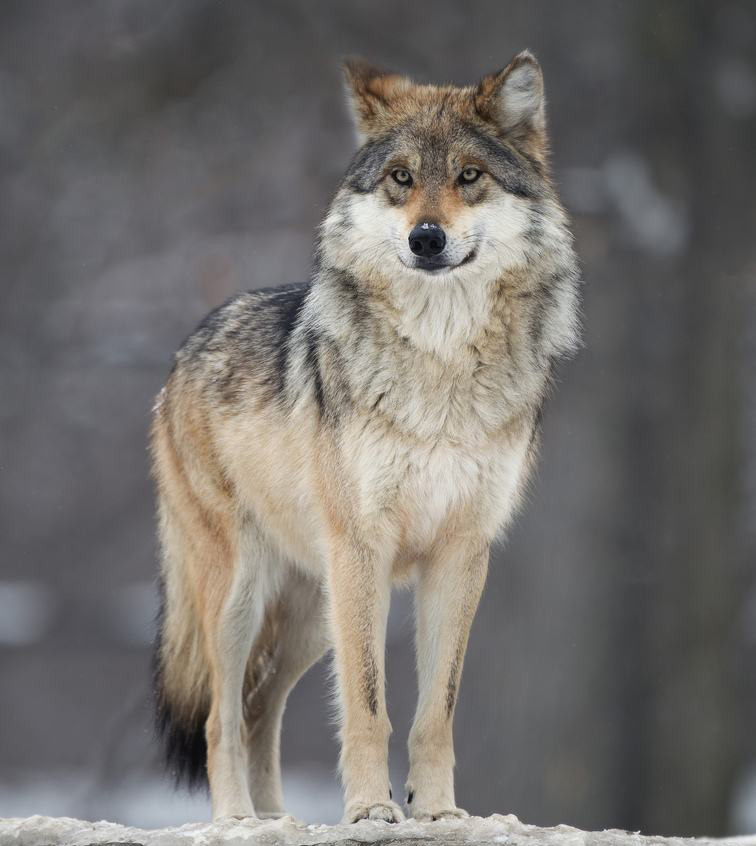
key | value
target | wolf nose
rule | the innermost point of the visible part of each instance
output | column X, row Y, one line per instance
column 427, row 239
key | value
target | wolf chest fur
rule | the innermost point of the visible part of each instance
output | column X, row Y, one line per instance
column 317, row 443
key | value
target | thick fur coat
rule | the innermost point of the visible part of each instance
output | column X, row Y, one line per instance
column 317, row 443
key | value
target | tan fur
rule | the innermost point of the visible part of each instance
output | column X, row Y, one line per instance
column 313, row 447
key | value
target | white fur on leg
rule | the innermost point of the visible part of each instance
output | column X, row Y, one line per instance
column 241, row 620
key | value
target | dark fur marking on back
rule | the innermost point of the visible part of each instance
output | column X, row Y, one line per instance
column 249, row 338
column 288, row 301
column 288, row 307
column 312, row 362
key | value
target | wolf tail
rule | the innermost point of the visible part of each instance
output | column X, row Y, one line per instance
column 181, row 684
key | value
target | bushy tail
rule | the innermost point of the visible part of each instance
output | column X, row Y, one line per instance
column 181, row 686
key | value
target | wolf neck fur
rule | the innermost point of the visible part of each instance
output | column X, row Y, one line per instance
column 430, row 361
column 439, row 317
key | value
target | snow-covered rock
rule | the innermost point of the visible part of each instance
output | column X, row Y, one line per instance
column 497, row 829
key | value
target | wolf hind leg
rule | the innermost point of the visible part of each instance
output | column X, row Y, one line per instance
column 235, row 619
column 294, row 637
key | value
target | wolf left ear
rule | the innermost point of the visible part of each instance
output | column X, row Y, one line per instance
column 370, row 92
column 513, row 98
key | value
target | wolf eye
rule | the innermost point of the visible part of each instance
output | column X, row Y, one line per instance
column 402, row 177
column 469, row 175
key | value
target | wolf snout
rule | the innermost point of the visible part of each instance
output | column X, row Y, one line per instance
column 427, row 240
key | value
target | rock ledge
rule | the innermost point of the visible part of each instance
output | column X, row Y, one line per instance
column 497, row 829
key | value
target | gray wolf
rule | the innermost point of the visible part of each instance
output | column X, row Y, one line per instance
column 316, row 444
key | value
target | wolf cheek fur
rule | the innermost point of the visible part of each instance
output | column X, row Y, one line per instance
column 316, row 443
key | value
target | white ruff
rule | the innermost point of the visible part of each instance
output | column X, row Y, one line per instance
column 438, row 312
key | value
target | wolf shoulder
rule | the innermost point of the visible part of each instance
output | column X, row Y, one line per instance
column 242, row 344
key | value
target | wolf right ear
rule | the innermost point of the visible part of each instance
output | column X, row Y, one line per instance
column 513, row 98
column 370, row 92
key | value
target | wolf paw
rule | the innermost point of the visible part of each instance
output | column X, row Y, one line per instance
column 387, row 811
column 430, row 815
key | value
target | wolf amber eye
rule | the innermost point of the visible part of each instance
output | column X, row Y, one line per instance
column 402, row 177
column 469, row 175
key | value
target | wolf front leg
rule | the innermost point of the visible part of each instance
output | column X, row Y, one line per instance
column 447, row 596
column 360, row 591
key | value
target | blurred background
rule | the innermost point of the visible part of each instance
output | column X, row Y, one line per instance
column 157, row 157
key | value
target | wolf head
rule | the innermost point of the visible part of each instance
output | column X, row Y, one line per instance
column 448, row 182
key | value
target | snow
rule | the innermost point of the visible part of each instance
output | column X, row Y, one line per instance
column 60, row 831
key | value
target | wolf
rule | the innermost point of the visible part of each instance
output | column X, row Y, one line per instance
column 316, row 444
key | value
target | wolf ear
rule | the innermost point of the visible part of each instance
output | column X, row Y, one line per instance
column 513, row 98
column 370, row 92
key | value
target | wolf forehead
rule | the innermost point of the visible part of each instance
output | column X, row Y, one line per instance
column 434, row 131
column 437, row 150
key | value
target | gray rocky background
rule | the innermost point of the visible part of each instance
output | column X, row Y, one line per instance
column 155, row 157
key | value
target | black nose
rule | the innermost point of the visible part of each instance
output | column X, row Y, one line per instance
column 427, row 239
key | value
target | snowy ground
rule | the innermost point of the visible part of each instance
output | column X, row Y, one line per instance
column 64, row 831
column 312, row 795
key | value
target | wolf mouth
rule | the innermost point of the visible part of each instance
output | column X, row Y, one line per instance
column 435, row 267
